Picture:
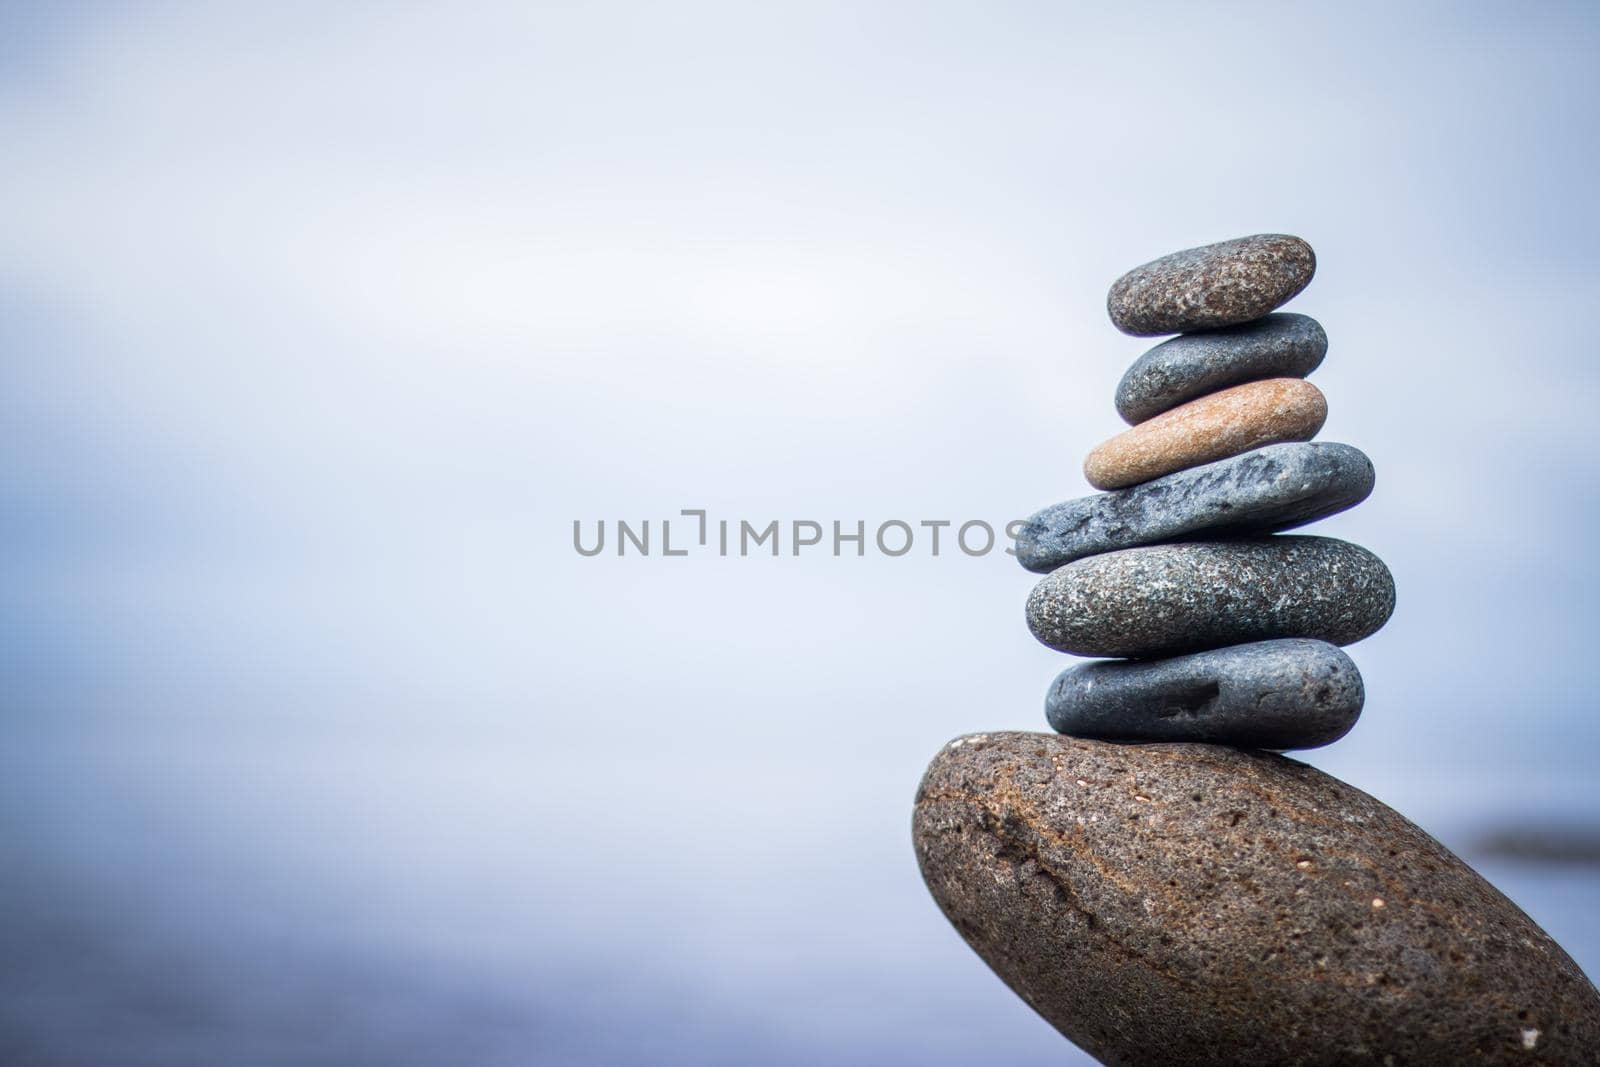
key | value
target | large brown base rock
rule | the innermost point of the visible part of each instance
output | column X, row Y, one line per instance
column 1193, row 904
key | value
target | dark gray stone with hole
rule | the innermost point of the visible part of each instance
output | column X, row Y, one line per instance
column 1272, row 488
column 1291, row 693
column 1280, row 345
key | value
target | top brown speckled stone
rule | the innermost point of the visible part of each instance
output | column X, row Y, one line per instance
column 1212, row 286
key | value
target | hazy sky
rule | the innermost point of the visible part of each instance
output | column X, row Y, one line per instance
column 322, row 325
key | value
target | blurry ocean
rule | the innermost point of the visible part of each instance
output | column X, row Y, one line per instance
column 384, row 899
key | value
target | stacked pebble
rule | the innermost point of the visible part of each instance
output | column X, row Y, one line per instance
column 1228, row 632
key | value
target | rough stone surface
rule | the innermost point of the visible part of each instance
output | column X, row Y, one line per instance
column 1168, row 599
column 1272, row 488
column 1212, row 286
column 1194, row 904
column 1208, row 429
column 1282, row 345
column 1283, row 694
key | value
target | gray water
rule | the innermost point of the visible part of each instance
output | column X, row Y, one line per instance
column 373, row 899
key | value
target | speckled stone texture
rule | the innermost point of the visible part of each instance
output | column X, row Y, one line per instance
column 1212, row 286
column 1208, row 429
column 1283, row 694
column 1168, row 599
column 1272, row 488
column 1198, row 905
column 1282, row 345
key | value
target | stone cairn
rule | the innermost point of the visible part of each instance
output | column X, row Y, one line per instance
column 1194, row 899
column 1161, row 565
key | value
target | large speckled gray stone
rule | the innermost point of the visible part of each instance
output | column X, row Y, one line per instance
column 1272, row 488
column 1291, row 693
column 1166, row 599
column 1281, row 345
column 1212, row 286
column 1197, row 905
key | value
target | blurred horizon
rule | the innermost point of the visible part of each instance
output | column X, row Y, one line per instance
column 322, row 325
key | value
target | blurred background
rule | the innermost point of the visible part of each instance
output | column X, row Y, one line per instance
column 320, row 324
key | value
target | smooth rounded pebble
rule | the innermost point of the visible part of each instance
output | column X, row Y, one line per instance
column 1162, row 600
column 1195, row 904
column 1283, row 694
column 1272, row 488
column 1212, row 286
column 1282, row 345
column 1213, row 427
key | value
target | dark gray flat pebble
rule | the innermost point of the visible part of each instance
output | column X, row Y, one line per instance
column 1292, row 693
column 1165, row 599
column 1272, row 488
column 1212, row 286
column 1281, row 345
